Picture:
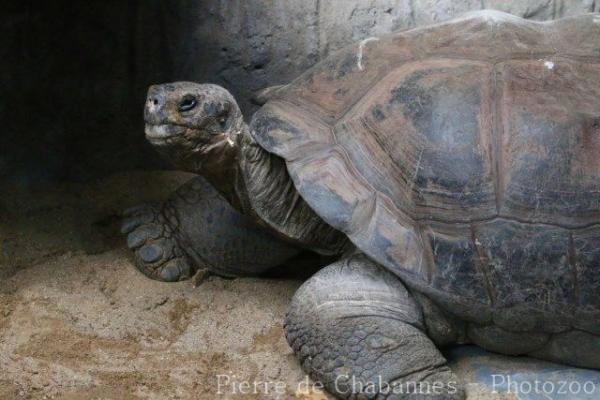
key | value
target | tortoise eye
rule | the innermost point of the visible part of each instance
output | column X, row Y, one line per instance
column 187, row 103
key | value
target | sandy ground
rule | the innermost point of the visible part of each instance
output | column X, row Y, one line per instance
column 78, row 321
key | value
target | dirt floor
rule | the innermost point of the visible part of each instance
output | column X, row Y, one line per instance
column 78, row 321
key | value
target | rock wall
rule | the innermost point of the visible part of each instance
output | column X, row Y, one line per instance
column 258, row 43
column 75, row 73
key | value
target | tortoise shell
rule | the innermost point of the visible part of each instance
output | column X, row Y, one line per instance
column 464, row 157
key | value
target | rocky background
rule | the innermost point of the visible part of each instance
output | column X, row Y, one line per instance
column 74, row 74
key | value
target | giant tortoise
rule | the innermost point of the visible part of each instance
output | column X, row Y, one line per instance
column 454, row 170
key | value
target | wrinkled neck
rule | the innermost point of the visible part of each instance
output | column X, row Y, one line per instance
column 257, row 184
column 221, row 165
column 267, row 193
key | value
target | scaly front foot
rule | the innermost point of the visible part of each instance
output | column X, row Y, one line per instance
column 152, row 238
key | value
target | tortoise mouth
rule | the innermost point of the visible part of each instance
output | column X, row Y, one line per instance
column 162, row 132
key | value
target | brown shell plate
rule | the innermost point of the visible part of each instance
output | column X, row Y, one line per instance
column 464, row 157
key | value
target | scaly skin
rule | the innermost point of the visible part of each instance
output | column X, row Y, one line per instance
column 359, row 331
column 196, row 228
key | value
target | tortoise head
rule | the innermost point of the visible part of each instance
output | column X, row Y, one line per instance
column 189, row 120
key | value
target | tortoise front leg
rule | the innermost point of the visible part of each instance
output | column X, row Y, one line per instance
column 152, row 238
column 359, row 331
column 196, row 228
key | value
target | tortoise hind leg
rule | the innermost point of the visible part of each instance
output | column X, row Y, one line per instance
column 358, row 330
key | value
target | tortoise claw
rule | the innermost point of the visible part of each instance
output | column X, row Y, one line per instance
column 157, row 253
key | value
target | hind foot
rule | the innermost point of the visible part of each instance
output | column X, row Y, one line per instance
column 151, row 236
